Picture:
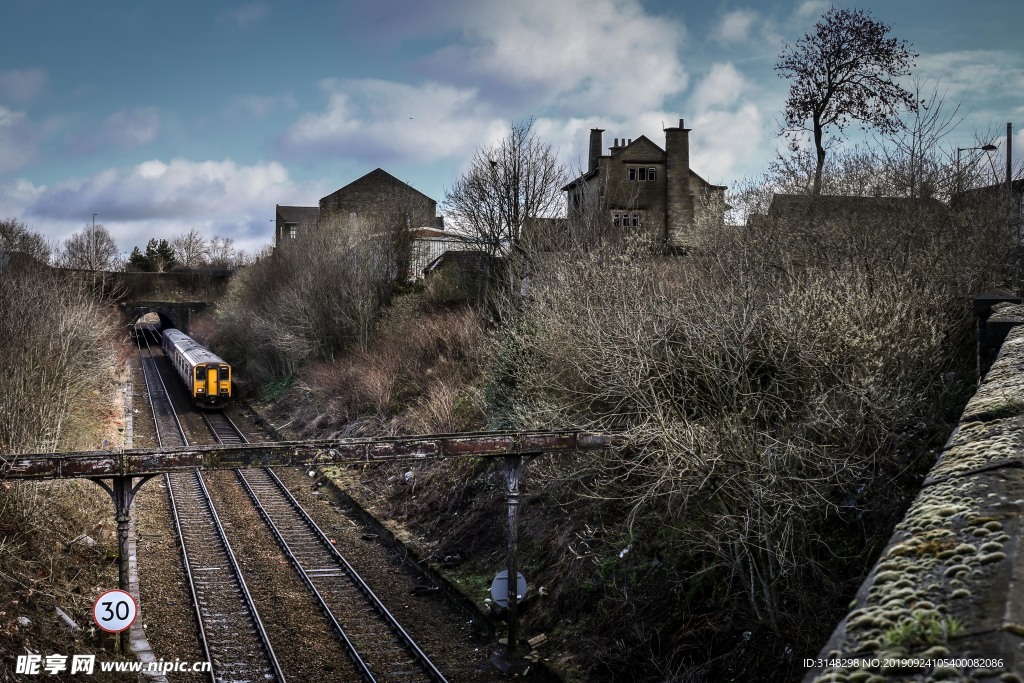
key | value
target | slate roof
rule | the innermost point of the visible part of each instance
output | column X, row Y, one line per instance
column 298, row 214
column 377, row 175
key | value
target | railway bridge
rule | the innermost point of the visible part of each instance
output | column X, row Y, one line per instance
column 175, row 297
column 121, row 473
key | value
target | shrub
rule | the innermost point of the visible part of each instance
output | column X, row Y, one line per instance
column 780, row 387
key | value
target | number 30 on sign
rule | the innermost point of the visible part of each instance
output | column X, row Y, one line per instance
column 115, row 611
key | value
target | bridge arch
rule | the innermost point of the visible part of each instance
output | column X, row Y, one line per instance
column 171, row 314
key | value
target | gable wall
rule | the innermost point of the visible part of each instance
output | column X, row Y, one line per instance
column 380, row 195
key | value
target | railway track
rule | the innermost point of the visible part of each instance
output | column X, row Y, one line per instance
column 223, row 429
column 230, row 629
column 376, row 643
column 165, row 419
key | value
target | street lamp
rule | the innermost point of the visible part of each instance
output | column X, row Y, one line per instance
column 984, row 148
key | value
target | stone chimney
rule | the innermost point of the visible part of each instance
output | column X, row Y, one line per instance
column 595, row 148
column 678, row 200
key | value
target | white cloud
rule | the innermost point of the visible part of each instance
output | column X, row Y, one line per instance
column 162, row 199
column 16, row 195
column 721, row 87
column 17, row 140
column 974, row 71
column 22, row 85
column 132, row 127
column 722, row 142
column 583, row 56
column 812, row 9
column 728, row 127
column 124, row 129
column 735, row 26
column 245, row 15
column 378, row 121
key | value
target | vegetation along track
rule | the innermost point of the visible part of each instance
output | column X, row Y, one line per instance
column 231, row 632
column 374, row 640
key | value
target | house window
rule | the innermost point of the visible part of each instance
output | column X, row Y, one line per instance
column 292, row 232
column 642, row 173
column 626, row 219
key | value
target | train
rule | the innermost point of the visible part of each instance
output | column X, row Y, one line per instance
column 208, row 378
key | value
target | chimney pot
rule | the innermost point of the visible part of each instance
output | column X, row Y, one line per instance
column 682, row 124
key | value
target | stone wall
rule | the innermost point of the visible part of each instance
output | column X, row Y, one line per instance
column 945, row 601
column 378, row 195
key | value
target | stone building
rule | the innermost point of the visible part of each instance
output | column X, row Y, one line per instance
column 291, row 221
column 378, row 196
column 640, row 184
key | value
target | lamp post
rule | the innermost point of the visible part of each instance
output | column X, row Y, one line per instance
column 959, row 177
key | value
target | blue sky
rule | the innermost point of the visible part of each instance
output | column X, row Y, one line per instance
column 161, row 117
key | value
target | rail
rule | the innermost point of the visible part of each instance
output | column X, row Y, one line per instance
column 231, row 632
column 329, row 576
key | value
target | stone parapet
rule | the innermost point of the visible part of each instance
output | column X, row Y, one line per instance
column 945, row 600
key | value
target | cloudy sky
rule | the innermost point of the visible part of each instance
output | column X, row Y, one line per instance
column 160, row 117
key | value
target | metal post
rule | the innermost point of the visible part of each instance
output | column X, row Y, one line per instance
column 512, row 465
column 122, row 490
column 1009, row 161
column 122, row 495
column 959, row 177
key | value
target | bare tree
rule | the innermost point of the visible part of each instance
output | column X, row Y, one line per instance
column 190, row 249
column 778, row 386
column 15, row 236
column 92, row 249
column 913, row 156
column 315, row 297
column 221, row 252
column 57, row 345
column 507, row 186
column 846, row 70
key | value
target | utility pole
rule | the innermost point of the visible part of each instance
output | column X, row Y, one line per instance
column 1009, row 159
column 1010, row 180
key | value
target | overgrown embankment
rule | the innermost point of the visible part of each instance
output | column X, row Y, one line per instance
column 60, row 388
column 784, row 390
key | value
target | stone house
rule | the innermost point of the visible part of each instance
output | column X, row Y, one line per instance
column 291, row 221
column 639, row 184
column 376, row 196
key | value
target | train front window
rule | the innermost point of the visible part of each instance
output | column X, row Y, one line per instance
column 200, row 373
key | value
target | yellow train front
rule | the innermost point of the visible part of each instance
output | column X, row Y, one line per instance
column 207, row 377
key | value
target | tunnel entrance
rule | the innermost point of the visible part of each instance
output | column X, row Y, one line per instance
column 169, row 314
column 159, row 320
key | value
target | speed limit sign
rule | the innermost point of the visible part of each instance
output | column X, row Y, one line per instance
column 115, row 611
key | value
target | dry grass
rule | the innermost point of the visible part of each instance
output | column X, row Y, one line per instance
column 61, row 386
column 781, row 389
column 415, row 376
